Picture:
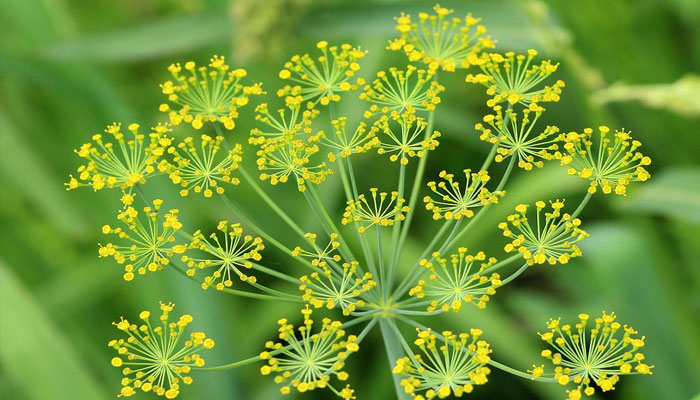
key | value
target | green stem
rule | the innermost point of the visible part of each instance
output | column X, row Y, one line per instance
column 413, row 312
column 514, row 275
column 416, row 266
column 366, row 249
column 230, row 366
column 380, row 261
column 276, row 274
column 521, row 374
column 259, row 230
column 314, row 199
column 407, row 279
column 395, row 256
column 366, row 330
column 139, row 190
column 404, row 343
column 489, row 158
column 271, row 203
column 394, row 351
column 501, row 264
column 351, row 171
column 582, row 205
column 416, row 184
column 238, row 292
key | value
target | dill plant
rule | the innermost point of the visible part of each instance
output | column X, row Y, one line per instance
column 370, row 285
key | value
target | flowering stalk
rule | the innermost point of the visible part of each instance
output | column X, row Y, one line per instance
column 379, row 288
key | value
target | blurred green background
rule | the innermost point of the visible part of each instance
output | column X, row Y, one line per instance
column 69, row 68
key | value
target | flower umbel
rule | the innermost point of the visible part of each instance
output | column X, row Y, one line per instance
column 226, row 257
column 136, row 162
column 151, row 244
column 610, row 164
column 440, row 41
column 289, row 157
column 322, row 83
column 307, row 361
column 598, row 354
column 514, row 78
column 336, row 285
column 408, row 140
column 154, row 357
column 320, row 257
column 200, row 170
column 452, row 368
column 384, row 210
column 453, row 202
column 461, row 281
column 515, row 136
column 289, row 122
column 342, row 145
column 207, row 94
column 552, row 239
column 400, row 90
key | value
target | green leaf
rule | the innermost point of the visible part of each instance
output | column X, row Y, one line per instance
column 36, row 180
column 34, row 353
column 173, row 35
column 673, row 193
column 681, row 96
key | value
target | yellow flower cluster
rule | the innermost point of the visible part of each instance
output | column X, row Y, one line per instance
column 307, row 361
column 153, row 357
column 513, row 78
column 226, row 256
column 384, row 210
column 597, row 355
column 288, row 145
column 407, row 140
column 452, row 368
column 150, row 245
column 441, row 41
column 609, row 163
column 400, row 90
column 289, row 157
column 551, row 239
column 342, row 145
column 290, row 121
column 324, row 82
column 136, row 162
column 453, row 202
column 336, row 286
column 197, row 167
column 515, row 136
column 457, row 282
column 211, row 93
column 319, row 256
